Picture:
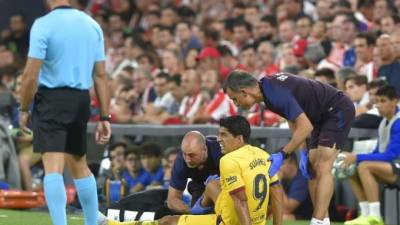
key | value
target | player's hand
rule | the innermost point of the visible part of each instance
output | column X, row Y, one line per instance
column 211, row 178
column 304, row 165
column 349, row 160
column 277, row 161
column 103, row 132
column 198, row 209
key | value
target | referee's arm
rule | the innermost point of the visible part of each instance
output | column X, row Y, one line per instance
column 101, row 87
column 29, row 83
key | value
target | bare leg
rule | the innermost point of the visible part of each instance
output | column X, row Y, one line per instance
column 77, row 166
column 169, row 220
column 321, row 161
column 24, row 165
column 53, row 162
column 370, row 173
column 356, row 186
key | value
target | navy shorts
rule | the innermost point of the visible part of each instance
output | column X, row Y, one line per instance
column 396, row 171
column 334, row 127
column 59, row 120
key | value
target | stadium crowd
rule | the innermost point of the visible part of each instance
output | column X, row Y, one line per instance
column 167, row 60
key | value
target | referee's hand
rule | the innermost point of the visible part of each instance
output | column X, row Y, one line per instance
column 23, row 120
column 103, row 132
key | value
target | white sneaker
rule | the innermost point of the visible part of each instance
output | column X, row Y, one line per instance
column 101, row 219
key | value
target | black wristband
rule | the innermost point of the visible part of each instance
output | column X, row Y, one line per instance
column 284, row 154
column 105, row 118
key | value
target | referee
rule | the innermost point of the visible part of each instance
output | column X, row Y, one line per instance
column 66, row 48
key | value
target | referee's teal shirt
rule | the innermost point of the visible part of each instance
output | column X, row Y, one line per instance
column 69, row 42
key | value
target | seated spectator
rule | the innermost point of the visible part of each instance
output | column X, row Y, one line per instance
column 150, row 157
column 356, row 89
column 163, row 102
column 168, row 161
column 326, row 75
column 219, row 104
column 135, row 176
column 296, row 198
column 116, row 167
column 191, row 84
column 142, row 83
column 389, row 64
column 364, row 47
column 371, row 118
column 378, row 166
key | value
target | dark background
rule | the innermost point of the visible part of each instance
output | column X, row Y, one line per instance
column 30, row 9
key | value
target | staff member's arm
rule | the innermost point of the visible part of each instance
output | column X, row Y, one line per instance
column 175, row 202
column 301, row 127
column 103, row 131
column 28, row 89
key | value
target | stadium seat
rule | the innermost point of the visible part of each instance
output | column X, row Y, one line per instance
column 392, row 205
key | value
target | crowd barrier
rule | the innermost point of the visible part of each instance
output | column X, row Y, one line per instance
column 180, row 130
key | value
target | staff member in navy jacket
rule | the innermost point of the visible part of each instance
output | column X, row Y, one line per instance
column 198, row 160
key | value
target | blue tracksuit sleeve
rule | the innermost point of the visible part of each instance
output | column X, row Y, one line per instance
column 392, row 150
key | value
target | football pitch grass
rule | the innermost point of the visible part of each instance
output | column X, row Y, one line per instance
column 23, row 217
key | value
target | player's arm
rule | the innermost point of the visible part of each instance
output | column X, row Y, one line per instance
column 29, row 82
column 301, row 127
column 175, row 202
column 240, row 203
column 276, row 193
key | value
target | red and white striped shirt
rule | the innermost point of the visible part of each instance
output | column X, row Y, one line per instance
column 221, row 106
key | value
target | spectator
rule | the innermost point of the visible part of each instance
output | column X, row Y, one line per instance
column 150, row 157
column 168, row 160
column 265, row 29
column 287, row 31
column 219, row 104
column 142, row 83
column 186, row 40
column 389, row 24
column 18, row 40
column 266, row 58
column 116, row 167
column 172, row 61
column 303, row 26
column 248, row 58
column 390, row 65
column 326, row 76
column 364, row 46
column 191, row 84
column 378, row 166
column 356, row 89
column 297, row 203
column 135, row 176
column 242, row 33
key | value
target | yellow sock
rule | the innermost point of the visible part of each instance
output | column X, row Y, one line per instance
column 113, row 222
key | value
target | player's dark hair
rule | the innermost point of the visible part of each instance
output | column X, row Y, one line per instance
column 236, row 125
column 114, row 146
column 239, row 79
column 387, row 91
